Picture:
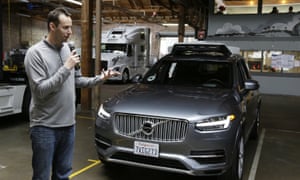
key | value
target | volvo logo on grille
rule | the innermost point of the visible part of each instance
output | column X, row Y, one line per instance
column 147, row 128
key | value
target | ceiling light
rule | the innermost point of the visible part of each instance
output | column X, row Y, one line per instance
column 74, row 2
column 172, row 24
column 23, row 15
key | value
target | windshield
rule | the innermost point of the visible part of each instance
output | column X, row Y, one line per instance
column 111, row 48
column 191, row 73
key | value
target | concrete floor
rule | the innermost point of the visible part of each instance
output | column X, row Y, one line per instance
column 274, row 156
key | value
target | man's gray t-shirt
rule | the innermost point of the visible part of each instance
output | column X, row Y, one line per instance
column 52, row 85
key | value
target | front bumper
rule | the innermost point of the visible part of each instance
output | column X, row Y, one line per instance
column 197, row 154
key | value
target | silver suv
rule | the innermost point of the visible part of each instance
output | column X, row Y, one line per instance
column 191, row 113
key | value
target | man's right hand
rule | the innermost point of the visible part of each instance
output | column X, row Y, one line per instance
column 72, row 60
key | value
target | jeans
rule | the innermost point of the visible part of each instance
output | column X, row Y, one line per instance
column 52, row 151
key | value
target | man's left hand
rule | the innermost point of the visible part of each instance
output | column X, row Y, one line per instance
column 109, row 73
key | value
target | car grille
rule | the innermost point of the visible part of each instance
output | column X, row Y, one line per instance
column 151, row 128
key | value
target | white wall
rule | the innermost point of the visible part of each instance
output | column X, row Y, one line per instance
column 278, row 85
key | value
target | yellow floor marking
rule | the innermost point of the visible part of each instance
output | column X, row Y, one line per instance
column 85, row 117
column 94, row 163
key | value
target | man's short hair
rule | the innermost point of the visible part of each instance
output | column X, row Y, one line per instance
column 54, row 14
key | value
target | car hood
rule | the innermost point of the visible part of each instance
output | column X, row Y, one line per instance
column 177, row 102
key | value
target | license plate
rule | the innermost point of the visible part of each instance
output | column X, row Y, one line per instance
column 146, row 149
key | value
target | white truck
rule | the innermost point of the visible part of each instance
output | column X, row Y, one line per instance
column 14, row 92
column 126, row 49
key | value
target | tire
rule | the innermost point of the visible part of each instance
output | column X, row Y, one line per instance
column 255, row 129
column 236, row 171
column 125, row 76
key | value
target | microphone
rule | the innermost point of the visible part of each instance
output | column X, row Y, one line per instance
column 71, row 45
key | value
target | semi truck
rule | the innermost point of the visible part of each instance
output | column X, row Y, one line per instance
column 126, row 49
column 14, row 90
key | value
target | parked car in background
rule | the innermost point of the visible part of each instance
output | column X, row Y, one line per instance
column 191, row 113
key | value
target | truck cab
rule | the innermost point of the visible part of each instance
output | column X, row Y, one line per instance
column 126, row 49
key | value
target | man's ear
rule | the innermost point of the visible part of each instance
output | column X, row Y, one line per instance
column 52, row 26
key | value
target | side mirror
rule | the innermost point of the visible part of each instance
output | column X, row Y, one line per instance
column 251, row 84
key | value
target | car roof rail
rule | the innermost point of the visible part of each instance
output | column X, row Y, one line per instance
column 212, row 48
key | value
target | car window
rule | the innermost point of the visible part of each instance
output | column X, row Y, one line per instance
column 243, row 75
column 245, row 69
column 191, row 73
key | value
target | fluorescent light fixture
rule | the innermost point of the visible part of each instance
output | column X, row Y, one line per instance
column 74, row 2
column 23, row 15
column 172, row 24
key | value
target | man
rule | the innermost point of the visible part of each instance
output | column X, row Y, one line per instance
column 50, row 69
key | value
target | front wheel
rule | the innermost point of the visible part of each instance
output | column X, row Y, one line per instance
column 235, row 172
column 125, row 76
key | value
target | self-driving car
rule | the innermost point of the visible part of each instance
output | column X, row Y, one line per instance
column 191, row 113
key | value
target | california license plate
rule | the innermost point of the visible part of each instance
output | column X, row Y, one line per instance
column 146, row 149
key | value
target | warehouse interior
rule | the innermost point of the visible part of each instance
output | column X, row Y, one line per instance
column 23, row 21
column 274, row 156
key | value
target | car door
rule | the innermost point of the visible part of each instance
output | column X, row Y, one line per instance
column 248, row 98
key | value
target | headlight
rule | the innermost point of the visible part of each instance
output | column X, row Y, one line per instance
column 102, row 113
column 215, row 123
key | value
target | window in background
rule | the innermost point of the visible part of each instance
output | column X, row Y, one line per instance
column 236, row 7
column 273, row 61
column 254, row 60
column 282, row 6
column 252, row 6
